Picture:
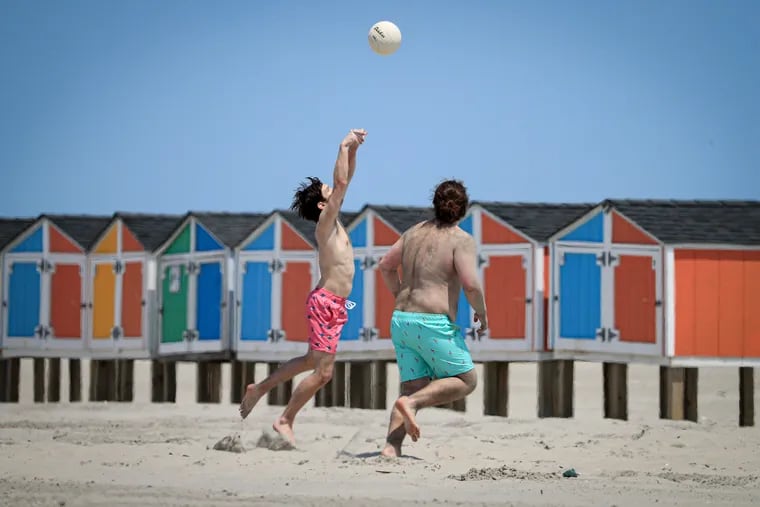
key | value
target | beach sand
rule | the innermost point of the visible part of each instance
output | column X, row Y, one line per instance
column 163, row 454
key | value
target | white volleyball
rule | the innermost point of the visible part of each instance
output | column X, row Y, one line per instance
column 384, row 38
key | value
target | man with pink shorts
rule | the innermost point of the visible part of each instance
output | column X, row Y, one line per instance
column 326, row 304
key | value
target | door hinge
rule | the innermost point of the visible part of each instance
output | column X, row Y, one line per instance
column 481, row 260
column 602, row 258
column 602, row 333
column 118, row 267
column 658, row 303
column 611, row 334
column 528, row 301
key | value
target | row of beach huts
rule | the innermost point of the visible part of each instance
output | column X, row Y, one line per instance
column 672, row 283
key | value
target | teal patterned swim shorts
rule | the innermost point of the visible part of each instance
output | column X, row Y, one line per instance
column 428, row 345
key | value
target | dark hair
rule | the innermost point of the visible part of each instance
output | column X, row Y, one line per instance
column 450, row 202
column 307, row 199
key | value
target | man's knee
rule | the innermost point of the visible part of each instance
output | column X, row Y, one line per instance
column 325, row 374
column 324, row 367
column 470, row 380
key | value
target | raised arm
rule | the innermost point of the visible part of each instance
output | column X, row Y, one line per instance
column 465, row 263
column 389, row 267
column 345, row 165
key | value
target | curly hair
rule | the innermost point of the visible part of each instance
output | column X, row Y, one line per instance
column 307, row 198
column 450, row 202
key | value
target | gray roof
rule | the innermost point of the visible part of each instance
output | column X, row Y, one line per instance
column 84, row 229
column 305, row 227
column 403, row 217
column 151, row 230
column 10, row 228
column 695, row 221
column 538, row 221
column 231, row 228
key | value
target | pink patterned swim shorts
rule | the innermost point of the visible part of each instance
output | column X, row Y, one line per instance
column 326, row 315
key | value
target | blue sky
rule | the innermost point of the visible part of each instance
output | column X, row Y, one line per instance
column 174, row 105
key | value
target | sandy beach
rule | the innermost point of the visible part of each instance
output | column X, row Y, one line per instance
column 162, row 454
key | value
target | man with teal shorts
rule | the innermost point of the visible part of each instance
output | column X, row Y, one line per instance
column 437, row 260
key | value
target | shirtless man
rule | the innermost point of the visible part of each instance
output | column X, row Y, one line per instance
column 326, row 304
column 437, row 259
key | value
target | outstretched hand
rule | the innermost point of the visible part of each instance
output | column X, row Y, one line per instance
column 354, row 138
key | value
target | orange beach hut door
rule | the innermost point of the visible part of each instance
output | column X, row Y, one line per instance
column 506, row 276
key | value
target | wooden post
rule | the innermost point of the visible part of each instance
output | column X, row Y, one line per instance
column 163, row 381
column 280, row 395
column 338, row 387
column 324, row 397
column 495, row 388
column 125, row 380
column 360, row 384
column 39, row 380
column 9, row 379
column 555, row 388
column 615, row 376
column 209, row 382
column 746, row 396
column 379, row 385
column 75, row 380
column 110, row 375
column 54, row 380
column 678, row 393
column 241, row 373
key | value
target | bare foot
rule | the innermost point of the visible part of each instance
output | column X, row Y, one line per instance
column 391, row 451
column 285, row 429
column 252, row 396
column 403, row 404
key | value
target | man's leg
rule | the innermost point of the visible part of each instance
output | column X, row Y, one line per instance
column 437, row 392
column 396, row 430
column 287, row 371
column 305, row 390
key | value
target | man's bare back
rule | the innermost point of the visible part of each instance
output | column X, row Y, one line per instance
column 431, row 282
column 336, row 261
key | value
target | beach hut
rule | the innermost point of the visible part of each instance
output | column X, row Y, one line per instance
column 372, row 232
column 9, row 229
column 122, row 285
column 44, row 290
column 276, row 269
column 675, row 283
column 195, row 279
column 511, row 241
column 9, row 368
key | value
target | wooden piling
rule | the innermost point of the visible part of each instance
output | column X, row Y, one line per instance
column 379, row 385
column 39, row 379
column 54, row 380
column 10, row 369
column 242, row 373
column 125, row 380
column 555, row 388
column 75, row 380
column 678, row 393
column 338, row 385
column 280, row 395
column 360, row 384
column 163, row 381
column 746, row 396
column 615, row 379
column 209, row 382
column 496, row 388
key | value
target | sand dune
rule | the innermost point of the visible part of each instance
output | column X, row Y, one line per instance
column 149, row 454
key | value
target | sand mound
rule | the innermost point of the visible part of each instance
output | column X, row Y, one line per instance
column 230, row 443
column 273, row 441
